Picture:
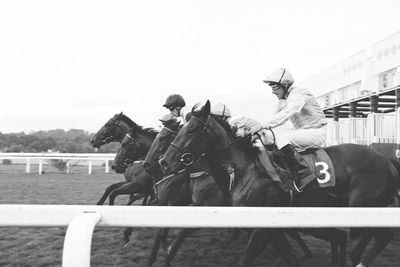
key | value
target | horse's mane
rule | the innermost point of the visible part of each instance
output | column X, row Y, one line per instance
column 244, row 144
column 126, row 119
column 134, row 126
column 150, row 131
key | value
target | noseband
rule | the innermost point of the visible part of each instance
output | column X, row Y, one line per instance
column 110, row 138
column 128, row 162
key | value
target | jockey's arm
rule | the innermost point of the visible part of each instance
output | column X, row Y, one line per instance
column 294, row 104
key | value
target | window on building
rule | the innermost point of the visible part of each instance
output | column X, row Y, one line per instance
column 384, row 80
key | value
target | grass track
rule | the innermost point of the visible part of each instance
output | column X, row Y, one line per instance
column 30, row 246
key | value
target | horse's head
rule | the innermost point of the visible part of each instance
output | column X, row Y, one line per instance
column 132, row 149
column 159, row 146
column 199, row 135
column 113, row 131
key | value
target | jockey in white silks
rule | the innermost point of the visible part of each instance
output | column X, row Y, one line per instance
column 221, row 110
column 298, row 106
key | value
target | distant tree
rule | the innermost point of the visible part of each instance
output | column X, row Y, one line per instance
column 15, row 148
column 72, row 141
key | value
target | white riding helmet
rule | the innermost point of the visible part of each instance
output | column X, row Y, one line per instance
column 220, row 110
column 280, row 76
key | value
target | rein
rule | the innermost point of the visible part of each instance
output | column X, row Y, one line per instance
column 109, row 138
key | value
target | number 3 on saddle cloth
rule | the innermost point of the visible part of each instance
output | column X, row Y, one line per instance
column 318, row 162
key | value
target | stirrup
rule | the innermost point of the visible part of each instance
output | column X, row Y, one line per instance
column 296, row 188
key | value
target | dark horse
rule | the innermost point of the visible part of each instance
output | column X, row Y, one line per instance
column 138, row 184
column 205, row 192
column 364, row 178
column 136, row 181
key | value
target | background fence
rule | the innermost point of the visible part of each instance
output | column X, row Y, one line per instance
column 40, row 159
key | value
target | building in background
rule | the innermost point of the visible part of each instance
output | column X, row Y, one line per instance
column 361, row 96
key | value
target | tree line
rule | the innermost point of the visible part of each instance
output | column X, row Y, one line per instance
column 59, row 140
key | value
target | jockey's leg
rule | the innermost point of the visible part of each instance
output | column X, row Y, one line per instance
column 288, row 143
column 298, row 167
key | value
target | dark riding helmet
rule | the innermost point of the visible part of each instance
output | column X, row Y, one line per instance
column 174, row 101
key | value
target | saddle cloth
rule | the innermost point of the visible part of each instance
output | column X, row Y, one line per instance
column 317, row 160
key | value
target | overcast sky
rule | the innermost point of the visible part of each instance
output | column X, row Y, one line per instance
column 74, row 64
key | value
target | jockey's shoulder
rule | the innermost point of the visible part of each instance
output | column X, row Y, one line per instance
column 241, row 121
column 298, row 90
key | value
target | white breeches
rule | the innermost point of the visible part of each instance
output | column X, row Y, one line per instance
column 301, row 139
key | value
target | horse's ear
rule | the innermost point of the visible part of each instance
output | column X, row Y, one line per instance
column 207, row 107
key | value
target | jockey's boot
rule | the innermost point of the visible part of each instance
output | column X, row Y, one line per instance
column 297, row 166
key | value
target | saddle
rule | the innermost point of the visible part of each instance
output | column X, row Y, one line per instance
column 317, row 161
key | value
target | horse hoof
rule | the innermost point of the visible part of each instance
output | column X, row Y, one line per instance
column 166, row 246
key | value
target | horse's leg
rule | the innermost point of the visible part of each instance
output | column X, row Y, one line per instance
column 134, row 197
column 359, row 247
column 107, row 192
column 342, row 243
column 144, row 202
column 334, row 252
column 125, row 189
column 156, row 246
column 173, row 249
column 259, row 238
column 126, row 235
column 164, row 239
column 362, row 198
column 382, row 237
column 337, row 239
column 128, row 230
column 296, row 236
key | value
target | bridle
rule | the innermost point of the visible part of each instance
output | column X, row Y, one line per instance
column 114, row 124
column 188, row 159
column 128, row 161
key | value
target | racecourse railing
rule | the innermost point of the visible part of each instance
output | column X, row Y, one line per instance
column 39, row 158
column 81, row 220
column 376, row 128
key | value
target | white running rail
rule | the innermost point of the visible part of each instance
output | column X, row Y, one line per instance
column 39, row 157
column 81, row 220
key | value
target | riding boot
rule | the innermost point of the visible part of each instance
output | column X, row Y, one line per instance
column 297, row 166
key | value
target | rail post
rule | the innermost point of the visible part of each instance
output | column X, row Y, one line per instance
column 90, row 167
column 40, row 167
column 28, row 165
column 107, row 166
column 78, row 240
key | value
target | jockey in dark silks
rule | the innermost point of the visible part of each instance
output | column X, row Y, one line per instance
column 175, row 103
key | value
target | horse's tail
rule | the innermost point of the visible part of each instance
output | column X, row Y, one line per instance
column 396, row 165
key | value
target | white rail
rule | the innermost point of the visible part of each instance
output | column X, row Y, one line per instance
column 83, row 219
column 39, row 157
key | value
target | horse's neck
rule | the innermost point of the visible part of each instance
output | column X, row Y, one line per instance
column 147, row 141
column 124, row 129
column 240, row 169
